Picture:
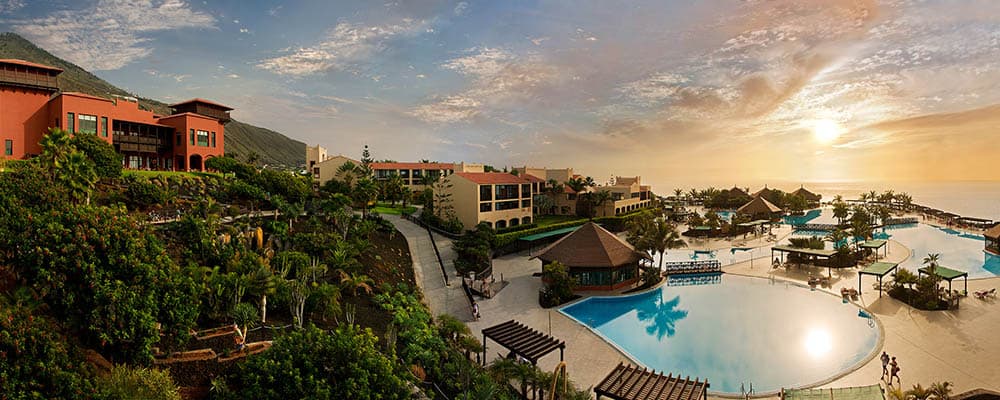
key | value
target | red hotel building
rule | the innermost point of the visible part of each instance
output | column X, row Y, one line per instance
column 31, row 103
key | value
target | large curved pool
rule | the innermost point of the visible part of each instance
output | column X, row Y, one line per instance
column 736, row 331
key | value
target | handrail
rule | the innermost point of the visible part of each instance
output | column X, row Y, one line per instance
column 444, row 272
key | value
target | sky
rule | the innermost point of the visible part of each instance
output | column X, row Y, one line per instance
column 679, row 92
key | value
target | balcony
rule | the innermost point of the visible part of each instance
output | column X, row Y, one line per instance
column 28, row 79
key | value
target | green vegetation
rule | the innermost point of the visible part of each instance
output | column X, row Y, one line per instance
column 271, row 147
column 921, row 292
column 313, row 364
column 383, row 208
column 542, row 221
column 474, row 250
column 558, row 285
column 124, row 383
column 170, row 174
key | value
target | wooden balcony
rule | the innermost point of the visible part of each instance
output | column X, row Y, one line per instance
column 22, row 77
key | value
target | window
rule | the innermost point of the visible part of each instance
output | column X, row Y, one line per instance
column 8, row 147
column 417, row 173
column 104, row 126
column 71, row 122
column 88, row 124
column 203, row 138
column 507, row 205
column 213, row 139
column 179, row 140
column 485, row 193
column 485, row 207
column 404, row 173
column 526, row 203
column 192, row 137
column 525, row 190
column 506, row 192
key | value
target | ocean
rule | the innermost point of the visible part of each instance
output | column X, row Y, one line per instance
column 979, row 199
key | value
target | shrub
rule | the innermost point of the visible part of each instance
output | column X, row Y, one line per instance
column 107, row 161
column 313, row 364
column 558, row 285
column 474, row 249
column 124, row 383
column 143, row 193
column 35, row 362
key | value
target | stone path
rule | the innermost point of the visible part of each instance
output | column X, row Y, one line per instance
column 441, row 299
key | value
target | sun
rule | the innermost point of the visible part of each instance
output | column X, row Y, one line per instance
column 826, row 131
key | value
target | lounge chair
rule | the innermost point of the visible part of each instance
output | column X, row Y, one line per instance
column 992, row 293
column 983, row 294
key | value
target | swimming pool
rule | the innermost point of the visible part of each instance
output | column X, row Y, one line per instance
column 735, row 332
column 958, row 250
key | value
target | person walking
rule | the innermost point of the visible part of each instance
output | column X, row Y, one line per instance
column 885, row 364
column 894, row 371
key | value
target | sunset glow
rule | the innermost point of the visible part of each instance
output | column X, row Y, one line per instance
column 826, row 131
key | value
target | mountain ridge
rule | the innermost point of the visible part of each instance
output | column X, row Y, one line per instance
column 241, row 138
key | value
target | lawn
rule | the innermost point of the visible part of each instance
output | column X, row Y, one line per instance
column 154, row 174
column 546, row 220
column 385, row 208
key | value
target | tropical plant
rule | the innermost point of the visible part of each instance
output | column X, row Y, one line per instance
column 840, row 211
column 353, row 282
column 596, row 201
column 558, row 283
column 364, row 194
column 107, row 161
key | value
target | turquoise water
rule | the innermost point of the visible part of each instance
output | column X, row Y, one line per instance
column 738, row 331
column 958, row 250
column 815, row 216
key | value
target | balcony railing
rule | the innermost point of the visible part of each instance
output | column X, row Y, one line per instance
column 27, row 79
column 138, row 140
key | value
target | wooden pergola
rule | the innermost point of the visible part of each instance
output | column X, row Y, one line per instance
column 627, row 382
column 877, row 269
column 947, row 274
column 875, row 245
column 522, row 341
column 819, row 253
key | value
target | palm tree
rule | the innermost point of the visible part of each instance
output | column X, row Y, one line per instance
column 353, row 282
column 931, row 261
column 840, row 211
column 663, row 237
column 346, row 172
column 918, row 392
column 56, row 145
column 364, row 194
column 77, row 173
column 577, row 184
column 597, row 200
column 941, row 390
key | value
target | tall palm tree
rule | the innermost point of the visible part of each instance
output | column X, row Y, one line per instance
column 597, row 200
column 77, row 173
column 931, row 261
column 941, row 390
column 346, row 172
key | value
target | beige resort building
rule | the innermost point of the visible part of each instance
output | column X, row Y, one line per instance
column 627, row 193
column 500, row 199
column 324, row 168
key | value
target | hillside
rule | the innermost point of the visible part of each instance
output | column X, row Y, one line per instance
column 241, row 138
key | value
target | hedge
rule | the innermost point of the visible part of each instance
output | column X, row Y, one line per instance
column 518, row 228
column 614, row 224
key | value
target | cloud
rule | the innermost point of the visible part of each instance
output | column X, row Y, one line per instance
column 112, row 33
column 342, row 46
column 461, row 8
column 498, row 79
column 274, row 11
column 9, row 6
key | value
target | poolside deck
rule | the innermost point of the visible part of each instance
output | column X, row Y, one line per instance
column 957, row 346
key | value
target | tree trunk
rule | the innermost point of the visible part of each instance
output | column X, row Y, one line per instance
column 263, row 309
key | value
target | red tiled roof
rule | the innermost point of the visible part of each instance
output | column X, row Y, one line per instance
column 28, row 64
column 198, row 100
column 591, row 246
column 84, row 95
column 532, row 178
column 411, row 165
column 487, row 178
column 758, row 205
column 568, row 190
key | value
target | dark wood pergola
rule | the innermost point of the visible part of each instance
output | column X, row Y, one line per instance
column 879, row 270
column 627, row 382
column 523, row 341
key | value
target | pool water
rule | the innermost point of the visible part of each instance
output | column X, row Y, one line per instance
column 735, row 332
column 958, row 250
column 815, row 216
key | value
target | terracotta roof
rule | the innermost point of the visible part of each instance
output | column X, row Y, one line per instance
column 28, row 64
column 84, row 95
column 198, row 100
column 411, row 165
column 487, row 178
column 758, row 205
column 531, row 178
column 993, row 232
column 568, row 190
column 801, row 191
column 591, row 246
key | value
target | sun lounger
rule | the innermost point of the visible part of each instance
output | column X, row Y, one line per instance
column 983, row 294
column 992, row 293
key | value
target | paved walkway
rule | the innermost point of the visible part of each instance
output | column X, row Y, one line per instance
column 441, row 299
